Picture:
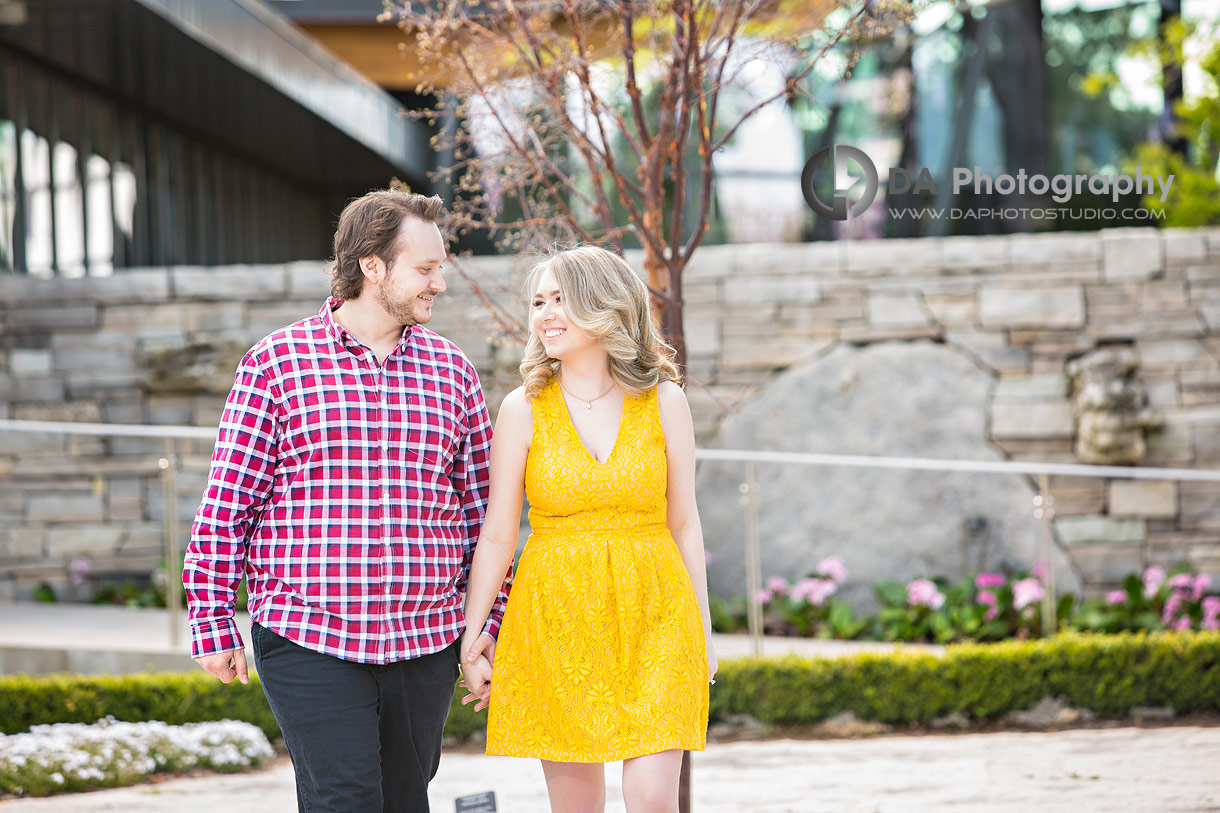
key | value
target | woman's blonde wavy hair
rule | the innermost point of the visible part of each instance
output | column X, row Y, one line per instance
column 602, row 296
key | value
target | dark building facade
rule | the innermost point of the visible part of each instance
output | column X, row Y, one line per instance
column 182, row 132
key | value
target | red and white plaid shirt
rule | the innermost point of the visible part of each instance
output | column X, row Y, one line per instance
column 351, row 491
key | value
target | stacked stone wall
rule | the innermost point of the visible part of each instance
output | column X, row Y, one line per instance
column 158, row 346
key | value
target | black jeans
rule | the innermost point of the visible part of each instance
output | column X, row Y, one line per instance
column 362, row 737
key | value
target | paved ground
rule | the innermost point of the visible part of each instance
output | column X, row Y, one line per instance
column 1082, row 771
column 36, row 638
column 1113, row 769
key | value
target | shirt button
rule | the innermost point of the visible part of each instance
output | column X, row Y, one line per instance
column 387, row 591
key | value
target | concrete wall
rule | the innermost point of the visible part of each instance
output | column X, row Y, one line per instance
column 159, row 345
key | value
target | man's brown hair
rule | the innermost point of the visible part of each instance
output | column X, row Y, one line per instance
column 369, row 227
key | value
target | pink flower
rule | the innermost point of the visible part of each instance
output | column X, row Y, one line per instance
column 1026, row 592
column 833, row 567
column 1038, row 570
column 777, row 585
column 1172, row 605
column 1201, row 583
column 1180, row 581
column 1116, row 597
column 923, row 592
column 987, row 597
column 1211, row 613
column 814, row 591
column 1153, row 577
column 78, row 569
column 763, row 596
column 1181, row 624
column 984, row 581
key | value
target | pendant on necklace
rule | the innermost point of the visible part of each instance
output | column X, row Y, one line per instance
column 588, row 404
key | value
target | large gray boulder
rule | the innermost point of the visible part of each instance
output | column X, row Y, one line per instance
column 901, row 399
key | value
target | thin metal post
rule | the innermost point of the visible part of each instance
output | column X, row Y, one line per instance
column 173, row 567
column 749, row 491
column 1044, row 510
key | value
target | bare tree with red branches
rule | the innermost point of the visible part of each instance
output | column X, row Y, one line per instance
column 597, row 120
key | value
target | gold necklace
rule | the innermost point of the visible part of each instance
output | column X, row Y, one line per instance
column 588, row 402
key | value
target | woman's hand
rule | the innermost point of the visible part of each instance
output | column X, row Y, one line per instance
column 476, row 679
column 477, row 658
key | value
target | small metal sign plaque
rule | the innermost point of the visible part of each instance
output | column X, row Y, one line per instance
column 478, row 803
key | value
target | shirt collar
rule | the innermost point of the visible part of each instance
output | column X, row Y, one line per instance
column 341, row 334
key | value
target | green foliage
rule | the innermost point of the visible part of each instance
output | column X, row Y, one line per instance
column 991, row 607
column 728, row 614
column 174, row 698
column 171, row 697
column 1194, row 198
column 151, row 592
column 1107, row 674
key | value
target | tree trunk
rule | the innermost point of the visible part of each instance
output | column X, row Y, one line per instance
column 673, row 324
column 1017, row 73
column 1171, row 79
column 684, row 784
column 667, row 309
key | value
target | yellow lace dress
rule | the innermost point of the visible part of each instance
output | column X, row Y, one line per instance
column 601, row 654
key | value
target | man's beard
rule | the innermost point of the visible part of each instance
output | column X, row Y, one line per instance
column 403, row 313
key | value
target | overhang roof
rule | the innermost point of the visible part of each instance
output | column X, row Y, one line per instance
column 234, row 72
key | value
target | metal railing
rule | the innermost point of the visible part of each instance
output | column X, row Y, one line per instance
column 1043, row 502
column 168, row 466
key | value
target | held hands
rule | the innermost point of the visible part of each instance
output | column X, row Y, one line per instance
column 226, row 665
column 476, row 666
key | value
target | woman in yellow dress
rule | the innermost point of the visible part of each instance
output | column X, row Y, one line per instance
column 605, row 651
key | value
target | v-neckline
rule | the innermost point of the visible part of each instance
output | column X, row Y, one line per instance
column 618, row 434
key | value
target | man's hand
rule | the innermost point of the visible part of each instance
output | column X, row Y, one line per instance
column 226, row 665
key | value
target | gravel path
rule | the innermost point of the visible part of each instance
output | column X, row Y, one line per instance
column 1173, row 768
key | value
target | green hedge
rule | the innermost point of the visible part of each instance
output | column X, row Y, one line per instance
column 1105, row 673
column 172, row 697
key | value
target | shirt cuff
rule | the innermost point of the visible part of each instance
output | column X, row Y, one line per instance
column 211, row 637
column 492, row 627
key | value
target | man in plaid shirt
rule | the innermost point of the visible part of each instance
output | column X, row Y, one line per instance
column 348, row 485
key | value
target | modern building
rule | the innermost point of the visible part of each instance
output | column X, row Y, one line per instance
column 182, row 132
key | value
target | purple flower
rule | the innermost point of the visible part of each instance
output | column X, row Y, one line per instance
column 923, row 592
column 985, row 581
column 1153, row 577
column 1180, row 581
column 987, row 597
column 814, row 591
column 1181, row 624
column 833, row 567
column 1039, row 570
column 1116, row 597
column 777, row 585
column 1026, row 592
column 763, row 596
column 1201, row 583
